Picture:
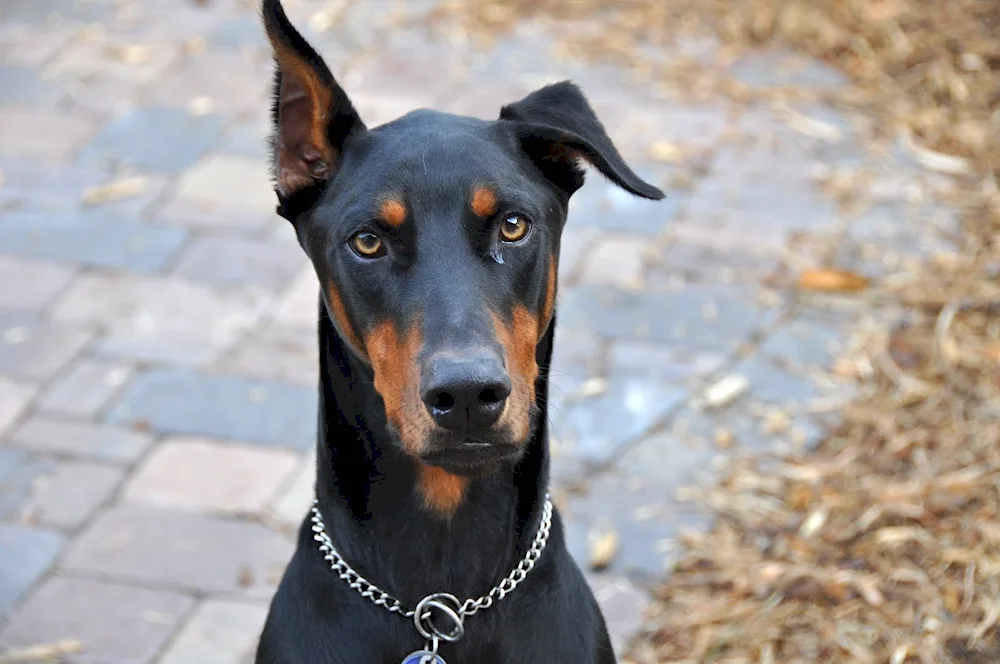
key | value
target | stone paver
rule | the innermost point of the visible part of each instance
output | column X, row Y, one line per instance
column 223, row 406
column 25, row 554
column 208, row 476
column 158, row 349
column 159, row 319
column 147, row 138
column 240, row 261
column 67, row 495
column 95, row 242
column 219, row 632
column 14, row 398
column 82, row 439
column 44, row 135
column 180, row 549
column 31, row 285
column 35, row 350
column 113, row 622
column 85, row 388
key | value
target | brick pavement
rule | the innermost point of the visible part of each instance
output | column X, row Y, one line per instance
column 157, row 348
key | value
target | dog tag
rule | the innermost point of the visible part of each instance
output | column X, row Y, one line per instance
column 423, row 657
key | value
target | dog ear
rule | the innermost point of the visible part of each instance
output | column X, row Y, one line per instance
column 557, row 127
column 312, row 115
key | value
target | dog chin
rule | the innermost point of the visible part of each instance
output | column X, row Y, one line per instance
column 469, row 457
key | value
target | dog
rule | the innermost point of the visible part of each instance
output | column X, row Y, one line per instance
column 435, row 239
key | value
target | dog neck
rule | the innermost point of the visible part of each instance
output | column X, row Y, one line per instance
column 367, row 491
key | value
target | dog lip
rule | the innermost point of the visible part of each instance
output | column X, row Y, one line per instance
column 471, row 454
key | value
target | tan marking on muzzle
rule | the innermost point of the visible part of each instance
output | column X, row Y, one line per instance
column 397, row 380
column 343, row 323
column 519, row 339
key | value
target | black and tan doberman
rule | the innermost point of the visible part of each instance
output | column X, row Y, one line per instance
column 435, row 238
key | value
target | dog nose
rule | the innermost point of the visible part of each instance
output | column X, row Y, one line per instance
column 465, row 393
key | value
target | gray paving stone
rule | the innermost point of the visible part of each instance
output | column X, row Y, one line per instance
column 661, row 360
column 237, row 33
column 25, row 46
column 109, row 243
column 114, row 622
column 670, row 461
column 233, row 83
column 31, row 284
column 622, row 604
column 228, row 260
column 720, row 259
column 81, row 439
column 221, row 406
column 161, row 320
column 37, row 350
column 275, row 352
column 249, row 138
column 45, row 135
column 85, row 389
column 747, row 196
column 25, row 554
column 43, row 189
column 577, row 356
column 221, row 191
column 15, row 396
column 24, row 86
column 771, row 69
column 639, row 512
column 773, row 385
column 742, row 428
column 179, row 549
column 602, row 205
column 18, row 471
column 596, row 428
column 68, row 493
column 805, row 344
column 219, row 632
column 156, row 138
column 703, row 317
column 38, row 12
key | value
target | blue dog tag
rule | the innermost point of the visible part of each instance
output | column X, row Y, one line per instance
column 423, row 657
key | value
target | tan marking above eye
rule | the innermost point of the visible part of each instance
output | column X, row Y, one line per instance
column 483, row 202
column 514, row 228
column 367, row 245
column 393, row 212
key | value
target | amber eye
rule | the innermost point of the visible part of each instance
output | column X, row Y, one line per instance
column 514, row 228
column 367, row 245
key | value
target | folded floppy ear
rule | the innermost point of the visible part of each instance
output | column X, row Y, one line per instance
column 557, row 127
column 312, row 114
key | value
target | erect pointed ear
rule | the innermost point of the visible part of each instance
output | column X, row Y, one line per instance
column 312, row 115
column 557, row 127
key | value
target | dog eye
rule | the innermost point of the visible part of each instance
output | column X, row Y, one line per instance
column 367, row 245
column 514, row 228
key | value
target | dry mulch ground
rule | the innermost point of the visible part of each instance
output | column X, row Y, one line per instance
column 883, row 543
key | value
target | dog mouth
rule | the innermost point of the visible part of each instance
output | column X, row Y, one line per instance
column 472, row 457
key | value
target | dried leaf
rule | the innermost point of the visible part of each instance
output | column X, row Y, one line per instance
column 830, row 280
column 932, row 160
column 603, row 550
column 725, row 391
column 113, row 191
column 41, row 653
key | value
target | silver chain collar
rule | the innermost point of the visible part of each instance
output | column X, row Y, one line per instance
column 446, row 604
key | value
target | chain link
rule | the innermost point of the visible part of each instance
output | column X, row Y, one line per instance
column 469, row 607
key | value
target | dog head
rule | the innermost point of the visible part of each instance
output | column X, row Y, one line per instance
column 436, row 241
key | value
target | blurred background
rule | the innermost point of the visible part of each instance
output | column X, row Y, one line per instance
column 775, row 396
